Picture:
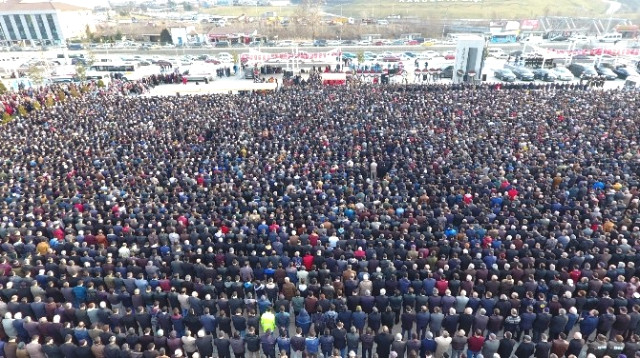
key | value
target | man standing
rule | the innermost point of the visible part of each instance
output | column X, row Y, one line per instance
column 51, row 350
column 268, row 343
column 384, row 340
column 525, row 349
column 506, row 345
column 475, row 344
column 223, row 345
column 34, row 348
column 268, row 321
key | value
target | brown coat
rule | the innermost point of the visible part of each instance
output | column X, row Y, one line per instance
column 559, row 347
column 288, row 290
column 10, row 350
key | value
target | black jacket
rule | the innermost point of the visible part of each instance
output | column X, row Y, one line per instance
column 543, row 349
column 253, row 342
column 383, row 341
column 506, row 347
column 205, row 345
column 52, row 351
column 69, row 350
column 222, row 346
column 525, row 350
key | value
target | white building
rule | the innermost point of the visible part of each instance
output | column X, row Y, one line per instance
column 36, row 22
column 469, row 58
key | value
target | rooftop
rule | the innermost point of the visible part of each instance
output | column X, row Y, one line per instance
column 36, row 5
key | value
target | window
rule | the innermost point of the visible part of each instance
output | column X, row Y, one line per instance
column 52, row 26
column 10, row 29
column 43, row 29
column 32, row 29
column 23, row 33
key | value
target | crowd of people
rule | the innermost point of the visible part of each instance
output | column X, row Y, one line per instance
column 360, row 221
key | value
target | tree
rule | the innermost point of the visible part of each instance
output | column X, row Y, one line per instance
column 187, row 7
column 81, row 71
column 88, row 33
column 36, row 74
column 6, row 117
column 165, row 36
column 3, row 88
column 118, row 36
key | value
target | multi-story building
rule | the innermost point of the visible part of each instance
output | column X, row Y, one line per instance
column 33, row 22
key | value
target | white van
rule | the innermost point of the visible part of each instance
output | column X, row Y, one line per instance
column 496, row 52
column 532, row 40
column 613, row 37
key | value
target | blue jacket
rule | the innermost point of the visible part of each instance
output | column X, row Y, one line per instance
column 326, row 343
column 359, row 319
column 422, row 319
column 428, row 345
column 573, row 318
column 208, row 323
column 312, row 344
column 588, row 325
column 527, row 320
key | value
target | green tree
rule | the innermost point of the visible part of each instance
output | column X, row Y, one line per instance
column 3, row 88
column 36, row 74
column 88, row 33
column 81, row 71
column 187, row 7
column 360, row 57
column 119, row 35
column 6, row 117
column 165, row 36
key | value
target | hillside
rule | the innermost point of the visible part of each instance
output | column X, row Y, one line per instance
column 488, row 9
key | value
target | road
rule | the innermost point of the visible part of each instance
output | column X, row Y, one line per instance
column 202, row 51
column 614, row 7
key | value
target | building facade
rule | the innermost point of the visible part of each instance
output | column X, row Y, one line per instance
column 42, row 22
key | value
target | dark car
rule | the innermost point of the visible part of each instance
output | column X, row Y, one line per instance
column 605, row 72
column 446, row 72
column 222, row 44
column 559, row 39
column 544, row 75
column 320, row 43
column 505, row 74
column 621, row 70
column 522, row 73
column 582, row 70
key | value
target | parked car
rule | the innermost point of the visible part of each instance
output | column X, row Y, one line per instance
column 221, row 44
column 582, row 70
column 449, row 55
column 606, row 72
column 320, row 43
column 522, row 73
column 544, row 75
column 621, row 70
column 562, row 74
column 446, row 71
column 504, row 74
column 559, row 39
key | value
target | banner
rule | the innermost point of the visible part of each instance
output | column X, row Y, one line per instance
column 301, row 55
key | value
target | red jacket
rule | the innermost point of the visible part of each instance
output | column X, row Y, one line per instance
column 307, row 261
column 475, row 343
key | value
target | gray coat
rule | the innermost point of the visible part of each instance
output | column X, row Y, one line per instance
column 490, row 347
column 237, row 345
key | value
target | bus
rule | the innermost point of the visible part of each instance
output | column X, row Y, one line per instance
column 128, row 71
column 504, row 38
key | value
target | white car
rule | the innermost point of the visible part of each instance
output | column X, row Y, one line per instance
column 224, row 57
column 364, row 43
column 563, row 74
column 428, row 55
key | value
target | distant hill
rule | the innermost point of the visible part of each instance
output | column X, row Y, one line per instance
column 482, row 9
